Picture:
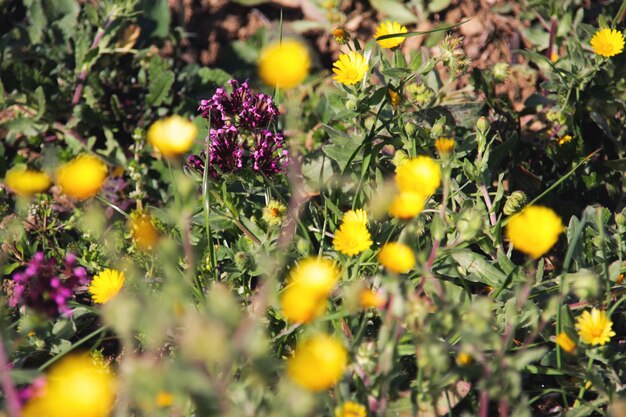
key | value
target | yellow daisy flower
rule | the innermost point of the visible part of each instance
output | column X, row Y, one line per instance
column 350, row 409
column 318, row 276
column 164, row 399
column 421, row 175
column 594, row 328
column 299, row 305
column 534, row 230
column 144, row 233
column 318, row 363
column 26, row 182
column 274, row 213
column 371, row 299
column 82, row 177
column 106, row 285
column 444, row 146
column 397, row 257
column 352, row 237
column 406, row 205
column 284, row 65
column 564, row 341
column 389, row 28
column 607, row 42
column 350, row 68
column 172, row 136
column 563, row 140
column 464, row 359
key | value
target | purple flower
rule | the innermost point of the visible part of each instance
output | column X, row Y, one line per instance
column 269, row 156
column 46, row 287
column 226, row 150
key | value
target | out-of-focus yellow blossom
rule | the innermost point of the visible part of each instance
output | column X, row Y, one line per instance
column 164, row 399
column 607, row 42
column 106, row 285
column 564, row 139
column 397, row 257
column 351, row 409
column 371, row 299
column 395, row 99
column 75, row 387
column 594, row 328
column 554, row 56
column 534, row 230
column 406, row 205
column 350, row 68
column 444, row 146
column 564, row 341
column 341, row 35
column 172, row 136
column 464, row 359
column 274, row 213
column 284, row 65
column 389, row 28
column 318, row 276
column 318, row 363
column 421, row 175
column 352, row 237
column 82, row 177
column 299, row 305
column 26, row 182
column 143, row 232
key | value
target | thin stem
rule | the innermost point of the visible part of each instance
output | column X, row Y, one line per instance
column 71, row 348
column 583, row 389
column 492, row 216
column 12, row 399
column 113, row 206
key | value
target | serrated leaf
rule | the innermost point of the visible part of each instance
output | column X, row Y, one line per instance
column 160, row 80
column 341, row 147
column 41, row 101
column 155, row 18
column 214, row 75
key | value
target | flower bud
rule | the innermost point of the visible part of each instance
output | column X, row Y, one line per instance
column 410, row 128
column 514, row 203
column 585, row 284
column 341, row 35
column 399, row 158
column 501, row 71
column 351, row 105
column 482, row 125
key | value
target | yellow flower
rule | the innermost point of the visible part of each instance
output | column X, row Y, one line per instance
column 318, row 276
column 554, row 57
column 421, row 175
column 75, row 387
column 299, row 305
column 594, row 328
column 397, row 257
column 351, row 409
column 395, row 99
column 371, row 299
column 341, row 35
column 143, row 232
column 24, row 181
column 353, row 237
column 106, row 285
column 164, row 399
column 464, row 359
column 534, row 230
column 564, row 341
column 172, row 136
column 564, row 139
column 274, row 213
column 318, row 363
column 406, row 205
column 389, row 28
column 284, row 65
column 350, row 68
column 444, row 146
column 607, row 42
column 82, row 177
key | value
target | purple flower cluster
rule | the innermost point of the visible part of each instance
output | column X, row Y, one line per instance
column 241, row 136
column 46, row 287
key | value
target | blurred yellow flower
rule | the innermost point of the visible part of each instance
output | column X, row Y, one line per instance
column 24, row 181
column 564, row 341
column 371, row 299
column 299, row 305
column 341, row 35
column 352, row 237
column 397, row 257
column 406, row 205
column 464, row 359
column 444, row 146
column 143, row 232
column 318, row 276
column 554, row 56
column 607, row 42
column 172, row 136
column 594, row 328
column 318, row 363
column 421, row 175
column 350, row 68
column 284, row 65
column 534, row 230
column 389, row 28
column 564, row 139
column 395, row 99
column 351, row 409
column 75, row 387
column 82, row 177
column 106, row 285
column 164, row 399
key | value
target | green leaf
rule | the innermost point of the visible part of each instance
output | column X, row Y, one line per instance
column 155, row 19
column 215, row 76
column 477, row 266
column 435, row 6
column 41, row 101
column 160, row 80
column 616, row 164
column 341, row 147
column 395, row 10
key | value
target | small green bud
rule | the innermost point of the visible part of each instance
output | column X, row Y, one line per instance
column 514, row 203
column 351, row 105
column 410, row 128
column 585, row 284
column 482, row 125
column 399, row 158
column 501, row 71
column 437, row 130
column 620, row 219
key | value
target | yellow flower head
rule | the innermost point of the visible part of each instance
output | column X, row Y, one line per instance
column 444, row 146
column 563, row 140
column 350, row 409
column 353, row 237
column 318, row 363
column 421, row 175
column 371, row 299
column 164, row 399
column 607, row 42
column 284, row 65
column 82, row 177
column 299, row 305
column 395, row 99
column 318, row 276
column 75, row 387
column 341, row 35
column 274, row 213
column 26, row 182
column 172, row 136
column 534, row 230
column 406, row 205
column 106, row 285
column 464, row 359
column 564, row 341
column 389, row 28
column 397, row 257
column 350, row 68
column 143, row 232
column 594, row 328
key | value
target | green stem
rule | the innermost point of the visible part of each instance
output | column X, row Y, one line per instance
column 206, row 206
column 71, row 348
column 583, row 389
